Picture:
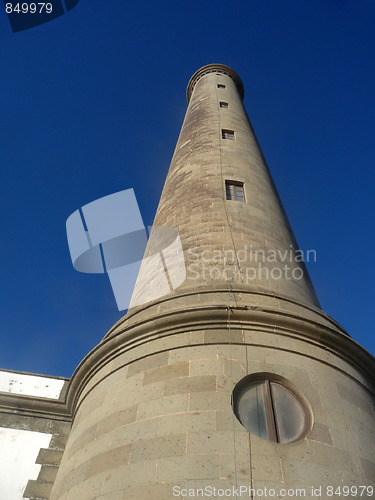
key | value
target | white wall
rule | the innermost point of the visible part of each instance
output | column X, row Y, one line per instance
column 30, row 385
column 18, row 452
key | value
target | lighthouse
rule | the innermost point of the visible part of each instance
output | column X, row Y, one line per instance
column 234, row 383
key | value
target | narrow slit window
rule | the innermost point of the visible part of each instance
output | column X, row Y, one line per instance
column 234, row 190
column 220, row 86
column 227, row 134
column 223, row 104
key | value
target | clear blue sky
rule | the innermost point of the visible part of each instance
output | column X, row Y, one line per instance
column 92, row 103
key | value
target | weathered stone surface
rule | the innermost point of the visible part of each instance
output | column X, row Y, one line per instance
column 368, row 469
column 38, row 489
column 49, row 457
column 320, row 432
column 166, row 372
column 108, row 460
column 164, row 446
column 190, row 384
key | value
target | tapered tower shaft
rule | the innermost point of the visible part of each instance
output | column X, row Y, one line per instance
column 246, row 241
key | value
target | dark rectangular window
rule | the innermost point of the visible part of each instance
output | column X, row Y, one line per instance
column 220, row 86
column 227, row 134
column 234, row 190
column 223, row 104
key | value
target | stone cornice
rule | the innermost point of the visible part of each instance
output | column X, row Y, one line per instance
column 249, row 299
column 214, row 68
column 329, row 337
column 31, row 406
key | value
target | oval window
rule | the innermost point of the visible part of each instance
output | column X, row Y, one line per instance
column 270, row 410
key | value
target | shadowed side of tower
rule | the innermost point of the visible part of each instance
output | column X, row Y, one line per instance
column 225, row 381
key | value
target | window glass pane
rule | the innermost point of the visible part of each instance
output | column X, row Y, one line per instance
column 289, row 414
column 234, row 191
column 228, row 134
column 251, row 410
column 239, row 191
column 270, row 410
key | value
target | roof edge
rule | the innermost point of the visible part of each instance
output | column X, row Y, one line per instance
column 214, row 68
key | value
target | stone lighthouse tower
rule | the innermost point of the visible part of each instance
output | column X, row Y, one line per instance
column 234, row 384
